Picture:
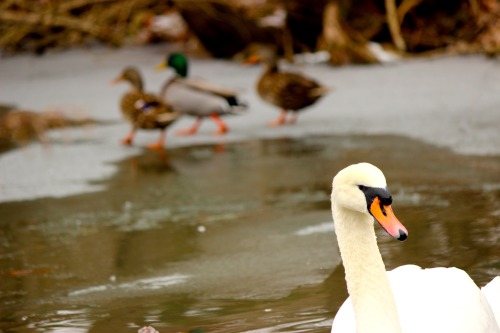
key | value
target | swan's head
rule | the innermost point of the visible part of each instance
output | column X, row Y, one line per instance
column 362, row 188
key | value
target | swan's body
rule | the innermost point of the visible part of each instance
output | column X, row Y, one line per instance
column 408, row 298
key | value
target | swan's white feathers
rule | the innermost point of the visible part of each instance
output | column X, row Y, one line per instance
column 345, row 185
column 361, row 174
column 492, row 293
column 344, row 321
column 433, row 300
column 439, row 300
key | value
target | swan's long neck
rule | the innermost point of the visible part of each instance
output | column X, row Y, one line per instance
column 367, row 283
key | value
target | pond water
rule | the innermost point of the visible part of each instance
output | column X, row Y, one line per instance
column 234, row 237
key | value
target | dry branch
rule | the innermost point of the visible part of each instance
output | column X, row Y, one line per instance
column 33, row 25
column 48, row 20
column 226, row 27
column 343, row 49
column 405, row 7
column 394, row 28
column 71, row 5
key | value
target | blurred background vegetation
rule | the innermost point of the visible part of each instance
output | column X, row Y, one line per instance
column 225, row 28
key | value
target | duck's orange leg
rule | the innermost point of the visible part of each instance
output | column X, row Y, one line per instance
column 280, row 120
column 220, row 124
column 192, row 130
column 129, row 138
column 158, row 145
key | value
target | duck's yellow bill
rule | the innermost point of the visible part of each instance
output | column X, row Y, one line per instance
column 115, row 81
column 160, row 67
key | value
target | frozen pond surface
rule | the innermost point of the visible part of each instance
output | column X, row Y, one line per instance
column 450, row 102
column 233, row 233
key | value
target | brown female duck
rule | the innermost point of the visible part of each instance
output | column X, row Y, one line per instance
column 289, row 91
column 144, row 110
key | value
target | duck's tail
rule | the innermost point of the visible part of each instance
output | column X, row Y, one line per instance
column 236, row 104
column 320, row 91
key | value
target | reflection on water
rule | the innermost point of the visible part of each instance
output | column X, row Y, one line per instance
column 233, row 238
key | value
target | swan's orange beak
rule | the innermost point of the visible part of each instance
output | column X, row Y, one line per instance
column 385, row 216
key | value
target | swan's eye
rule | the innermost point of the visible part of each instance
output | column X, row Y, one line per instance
column 383, row 194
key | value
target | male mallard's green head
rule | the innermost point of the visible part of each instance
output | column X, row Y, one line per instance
column 179, row 63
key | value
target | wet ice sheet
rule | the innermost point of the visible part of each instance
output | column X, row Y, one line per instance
column 450, row 102
column 56, row 171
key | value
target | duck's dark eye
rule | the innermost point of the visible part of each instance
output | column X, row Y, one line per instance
column 362, row 188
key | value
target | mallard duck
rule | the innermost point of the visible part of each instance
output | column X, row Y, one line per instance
column 196, row 97
column 144, row 110
column 289, row 91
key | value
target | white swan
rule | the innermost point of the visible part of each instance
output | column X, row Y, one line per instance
column 408, row 298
